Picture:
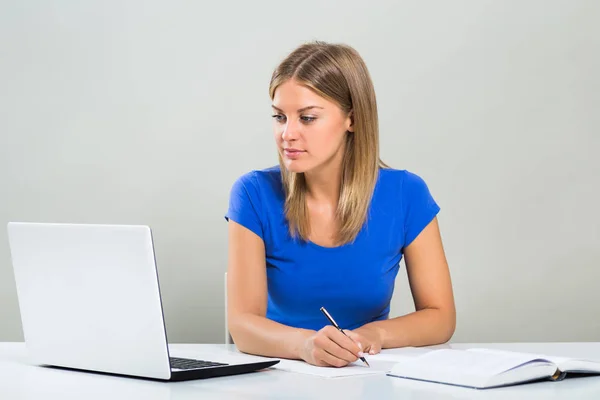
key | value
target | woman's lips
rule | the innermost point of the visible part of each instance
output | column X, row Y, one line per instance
column 293, row 153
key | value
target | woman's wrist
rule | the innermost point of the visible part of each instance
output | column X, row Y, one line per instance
column 296, row 344
column 378, row 330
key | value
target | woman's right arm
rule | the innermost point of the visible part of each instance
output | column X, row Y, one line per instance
column 252, row 332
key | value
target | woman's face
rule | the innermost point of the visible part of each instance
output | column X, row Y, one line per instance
column 309, row 130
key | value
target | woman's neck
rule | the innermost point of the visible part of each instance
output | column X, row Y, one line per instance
column 323, row 184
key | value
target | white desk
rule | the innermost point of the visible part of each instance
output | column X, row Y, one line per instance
column 21, row 380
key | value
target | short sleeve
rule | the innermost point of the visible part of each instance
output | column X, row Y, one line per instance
column 418, row 206
column 245, row 204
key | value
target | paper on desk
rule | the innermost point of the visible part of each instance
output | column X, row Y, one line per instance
column 380, row 364
column 400, row 354
column 357, row 368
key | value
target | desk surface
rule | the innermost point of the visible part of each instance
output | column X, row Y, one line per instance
column 19, row 379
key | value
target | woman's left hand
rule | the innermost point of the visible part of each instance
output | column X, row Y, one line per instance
column 368, row 337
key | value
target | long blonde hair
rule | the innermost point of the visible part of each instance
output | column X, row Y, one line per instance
column 337, row 73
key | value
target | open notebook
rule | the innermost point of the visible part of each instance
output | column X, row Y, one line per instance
column 485, row 368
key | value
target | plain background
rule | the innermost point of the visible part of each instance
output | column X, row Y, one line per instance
column 145, row 112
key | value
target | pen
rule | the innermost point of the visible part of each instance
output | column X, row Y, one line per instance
column 330, row 318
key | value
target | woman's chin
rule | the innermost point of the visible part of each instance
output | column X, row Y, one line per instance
column 294, row 166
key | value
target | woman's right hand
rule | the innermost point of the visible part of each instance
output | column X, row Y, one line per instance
column 330, row 348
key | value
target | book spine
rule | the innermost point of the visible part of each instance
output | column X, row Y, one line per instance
column 558, row 375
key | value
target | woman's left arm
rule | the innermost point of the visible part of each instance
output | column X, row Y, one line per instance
column 434, row 320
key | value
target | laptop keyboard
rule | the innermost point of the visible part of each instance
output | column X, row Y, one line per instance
column 187, row 363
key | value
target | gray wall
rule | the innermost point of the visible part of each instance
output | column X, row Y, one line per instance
column 115, row 112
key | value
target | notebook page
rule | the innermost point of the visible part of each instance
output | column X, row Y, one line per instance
column 563, row 363
column 509, row 353
column 474, row 362
column 469, row 368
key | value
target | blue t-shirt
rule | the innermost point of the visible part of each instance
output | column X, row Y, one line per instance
column 355, row 281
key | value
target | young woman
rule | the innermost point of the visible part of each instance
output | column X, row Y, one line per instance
column 329, row 226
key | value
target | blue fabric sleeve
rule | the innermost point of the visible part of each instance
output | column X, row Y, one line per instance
column 245, row 205
column 418, row 206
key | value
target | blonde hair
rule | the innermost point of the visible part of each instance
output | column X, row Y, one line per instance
column 337, row 73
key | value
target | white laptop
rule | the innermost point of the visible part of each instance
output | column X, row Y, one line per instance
column 90, row 300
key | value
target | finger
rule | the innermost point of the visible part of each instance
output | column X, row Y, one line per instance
column 337, row 351
column 358, row 340
column 328, row 344
column 322, row 358
column 329, row 360
column 376, row 348
column 345, row 341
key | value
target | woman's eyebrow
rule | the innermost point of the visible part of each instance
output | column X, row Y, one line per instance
column 300, row 110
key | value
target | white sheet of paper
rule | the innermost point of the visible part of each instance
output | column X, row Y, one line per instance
column 380, row 364
column 400, row 354
column 357, row 368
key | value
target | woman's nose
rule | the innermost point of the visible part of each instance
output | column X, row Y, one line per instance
column 290, row 132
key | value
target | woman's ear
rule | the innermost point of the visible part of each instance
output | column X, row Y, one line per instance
column 350, row 121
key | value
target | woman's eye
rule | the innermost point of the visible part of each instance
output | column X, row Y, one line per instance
column 278, row 117
column 307, row 119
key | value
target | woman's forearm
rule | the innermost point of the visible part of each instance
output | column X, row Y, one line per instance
column 258, row 335
column 421, row 328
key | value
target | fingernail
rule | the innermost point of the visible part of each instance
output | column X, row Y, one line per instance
column 372, row 352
